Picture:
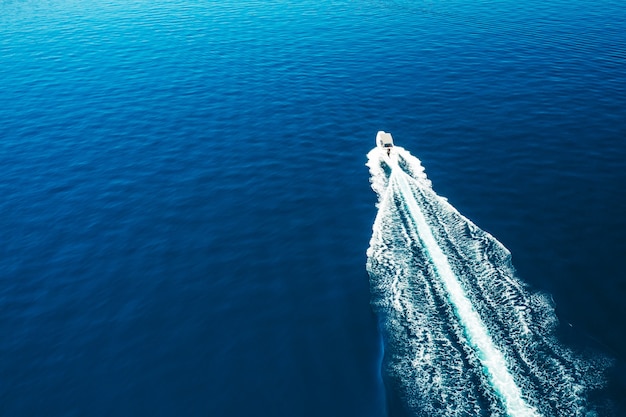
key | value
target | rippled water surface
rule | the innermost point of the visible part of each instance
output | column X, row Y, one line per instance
column 186, row 209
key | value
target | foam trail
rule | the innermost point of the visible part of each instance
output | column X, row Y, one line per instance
column 463, row 336
column 475, row 330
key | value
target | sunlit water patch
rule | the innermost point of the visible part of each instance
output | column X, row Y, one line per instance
column 463, row 335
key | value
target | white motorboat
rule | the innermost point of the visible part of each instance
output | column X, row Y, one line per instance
column 384, row 141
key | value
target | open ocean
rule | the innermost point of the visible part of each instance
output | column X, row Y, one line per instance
column 189, row 228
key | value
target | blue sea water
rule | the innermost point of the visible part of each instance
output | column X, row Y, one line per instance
column 185, row 208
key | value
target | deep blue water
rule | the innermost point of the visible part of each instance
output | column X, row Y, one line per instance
column 186, row 209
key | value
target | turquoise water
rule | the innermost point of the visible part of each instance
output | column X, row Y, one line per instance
column 186, row 209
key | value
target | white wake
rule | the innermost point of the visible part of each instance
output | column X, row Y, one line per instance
column 462, row 334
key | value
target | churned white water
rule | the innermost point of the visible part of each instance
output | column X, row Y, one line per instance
column 463, row 334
